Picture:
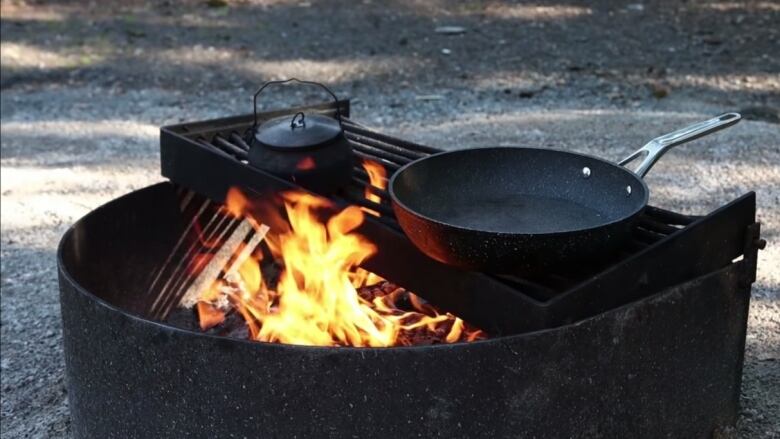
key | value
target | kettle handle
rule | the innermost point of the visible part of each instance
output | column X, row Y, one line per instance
column 257, row 93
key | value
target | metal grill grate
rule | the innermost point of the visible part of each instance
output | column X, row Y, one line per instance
column 209, row 157
column 392, row 153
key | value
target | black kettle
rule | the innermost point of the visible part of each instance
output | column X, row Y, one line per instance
column 308, row 148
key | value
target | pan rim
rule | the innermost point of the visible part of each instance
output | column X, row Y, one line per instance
column 397, row 203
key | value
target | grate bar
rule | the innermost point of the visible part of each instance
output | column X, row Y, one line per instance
column 670, row 217
column 230, row 148
column 354, row 127
column 367, row 149
column 238, row 140
column 383, row 146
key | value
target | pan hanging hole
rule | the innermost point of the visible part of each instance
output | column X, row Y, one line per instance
column 628, row 190
column 585, row 172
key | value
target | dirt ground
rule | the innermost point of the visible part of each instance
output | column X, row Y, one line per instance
column 85, row 87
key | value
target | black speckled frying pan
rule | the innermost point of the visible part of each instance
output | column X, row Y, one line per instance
column 521, row 210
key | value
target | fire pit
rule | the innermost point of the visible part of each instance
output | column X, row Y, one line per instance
column 647, row 344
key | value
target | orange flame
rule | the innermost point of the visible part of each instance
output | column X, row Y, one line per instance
column 317, row 299
column 236, row 202
column 208, row 314
column 377, row 177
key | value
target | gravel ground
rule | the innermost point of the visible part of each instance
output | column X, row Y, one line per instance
column 85, row 88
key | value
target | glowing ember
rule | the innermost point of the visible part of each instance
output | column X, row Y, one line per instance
column 321, row 297
column 307, row 164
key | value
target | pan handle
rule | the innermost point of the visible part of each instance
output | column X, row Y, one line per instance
column 654, row 149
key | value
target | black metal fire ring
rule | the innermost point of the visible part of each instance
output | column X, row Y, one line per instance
column 667, row 365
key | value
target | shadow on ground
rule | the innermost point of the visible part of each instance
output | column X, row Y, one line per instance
column 723, row 50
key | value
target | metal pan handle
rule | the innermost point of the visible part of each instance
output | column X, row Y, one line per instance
column 656, row 148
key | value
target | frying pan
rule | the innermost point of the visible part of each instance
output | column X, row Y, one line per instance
column 522, row 210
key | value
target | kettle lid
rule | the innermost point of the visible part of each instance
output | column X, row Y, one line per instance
column 300, row 132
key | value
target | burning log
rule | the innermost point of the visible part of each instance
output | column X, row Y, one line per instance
column 218, row 262
column 403, row 302
column 248, row 249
